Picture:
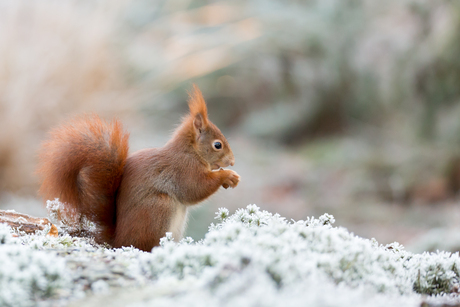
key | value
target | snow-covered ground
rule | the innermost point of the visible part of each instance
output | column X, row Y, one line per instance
column 249, row 258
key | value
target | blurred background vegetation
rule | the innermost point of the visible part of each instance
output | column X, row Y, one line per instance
column 349, row 107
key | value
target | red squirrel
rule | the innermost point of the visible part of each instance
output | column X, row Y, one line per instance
column 135, row 199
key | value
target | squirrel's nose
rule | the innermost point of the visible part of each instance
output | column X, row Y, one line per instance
column 232, row 162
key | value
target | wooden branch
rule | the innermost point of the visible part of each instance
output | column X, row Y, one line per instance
column 23, row 222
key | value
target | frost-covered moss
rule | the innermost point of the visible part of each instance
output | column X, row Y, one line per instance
column 249, row 258
column 27, row 275
column 5, row 234
column 253, row 245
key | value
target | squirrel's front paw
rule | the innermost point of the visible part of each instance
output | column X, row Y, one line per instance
column 231, row 180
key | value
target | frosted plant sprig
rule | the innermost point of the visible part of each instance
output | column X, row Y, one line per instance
column 327, row 219
column 222, row 214
column 168, row 238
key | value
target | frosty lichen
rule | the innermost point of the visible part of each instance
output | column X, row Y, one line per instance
column 67, row 219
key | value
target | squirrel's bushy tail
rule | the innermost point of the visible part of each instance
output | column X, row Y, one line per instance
column 82, row 165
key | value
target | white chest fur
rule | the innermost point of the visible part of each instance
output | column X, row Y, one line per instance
column 178, row 221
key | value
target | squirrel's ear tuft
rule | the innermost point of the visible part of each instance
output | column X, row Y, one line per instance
column 198, row 107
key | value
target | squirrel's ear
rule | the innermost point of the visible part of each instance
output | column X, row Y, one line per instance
column 198, row 108
column 198, row 123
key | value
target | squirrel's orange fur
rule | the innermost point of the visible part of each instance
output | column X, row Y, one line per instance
column 135, row 199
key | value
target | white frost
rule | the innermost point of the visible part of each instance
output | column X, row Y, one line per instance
column 249, row 258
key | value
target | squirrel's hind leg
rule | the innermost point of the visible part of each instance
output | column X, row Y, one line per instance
column 143, row 224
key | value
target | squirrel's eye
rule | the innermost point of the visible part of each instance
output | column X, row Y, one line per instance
column 217, row 145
